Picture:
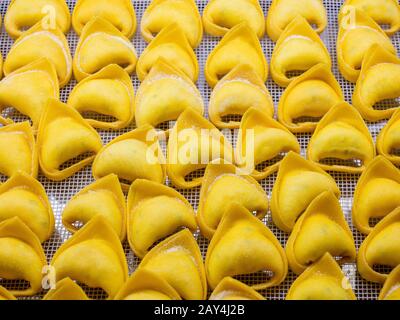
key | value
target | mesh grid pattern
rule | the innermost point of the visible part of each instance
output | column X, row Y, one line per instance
column 60, row 193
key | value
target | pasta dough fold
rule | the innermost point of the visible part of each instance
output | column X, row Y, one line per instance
column 298, row 183
column 299, row 48
column 231, row 289
column 243, row 245
column 391, row 288
column 341, row 134
column 6, row 295
column 63, row 137
column 388, row 140
column 108, row 92
column 239, row 46
column 66, row 289
column 178, row 261
column 321, row 228
column 241, row 89
column 155, row 212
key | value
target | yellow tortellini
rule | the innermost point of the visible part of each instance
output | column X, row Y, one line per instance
column 261, row 141
column 388, row 140
column 185, row 14
column 23, row 14
column 323, row 280
column 220, row 16
column 299, row 48
column 28, row 90
column 63, row 137
column 178, row 261
column 391, row 288
column 119, row 13
column 377, row 82
column 241, row 89
column 24, row 197
column 231, row 289
column 377, row 193
column 380, row 247
column 155, row 212
column 93, row 256
column 222, row 185
column 133, row 155
column 18, row 151
column 298, row 183
column 66, row 289
column 357, row 33
column 194, row 142
column 165, row 94
column 104, row 197
column 381, row 11
column 146, row 285
column 341, row 134
column 172, row 45
column 239, row 46
column 321, row 228
column 243, row 245
column 100, row 45
column 282, row 12
column 108, row 92
column 21, row 256
column 308, row 98
column 6, row 295
column 36, row 43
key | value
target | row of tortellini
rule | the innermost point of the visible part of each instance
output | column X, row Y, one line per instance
column 304, row 201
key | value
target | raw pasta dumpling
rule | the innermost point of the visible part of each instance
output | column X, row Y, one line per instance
column 66, row 290
column 231, row 289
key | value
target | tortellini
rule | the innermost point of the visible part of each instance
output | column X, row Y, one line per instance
column 155, row 212
column 298, row 183
column 380, row 247
column 308, row 98
column 220, row 16
column 299, row 48
column 102, row 44
column 18, row 151
column 93, row 256
column 321, row 228
column 104, row 197
column 261, row 141
column 323, row 280
column 28, row 89
column 36, row 43
column 194, row 142
column 164, row 95
column 282, row 12
column 239, row 46
column 146, row 285
column 23, row 14
column 133, row 155
column 231, row 289
column 388, row 140
column 178, row 261
column 342, row 134
column 21, row 256
column 185, row 14
column 24, row 197
column 6, row 295
column 222, row 185
column 63, row 137
column 377, row 82
column 391, row 288
column 357, row 33
column 241, row 89
column 119, row 13
column 377, row 193
column 243, row 245
column 172, row 45
column 66, row 289
column 108, row 92
column 382, row 11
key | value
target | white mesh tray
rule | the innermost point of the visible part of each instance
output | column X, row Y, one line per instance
column 60, row 193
